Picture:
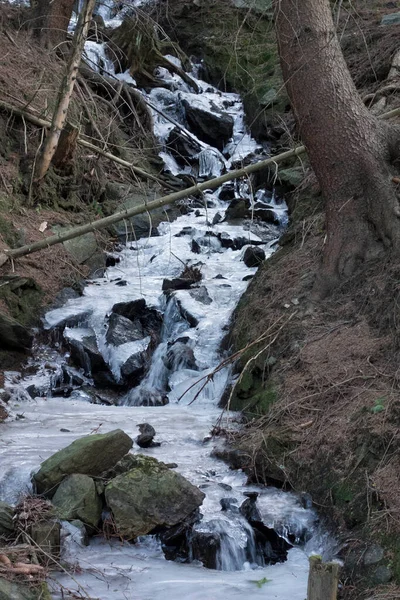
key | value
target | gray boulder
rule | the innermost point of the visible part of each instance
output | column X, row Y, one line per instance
column 90, row 455
column 150, row 495
column 122, row 330
column 86, row 354
column 77, row 498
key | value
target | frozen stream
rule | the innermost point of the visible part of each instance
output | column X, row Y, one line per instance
column 196, row 319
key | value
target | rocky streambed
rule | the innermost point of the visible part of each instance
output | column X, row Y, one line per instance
column 139, row 352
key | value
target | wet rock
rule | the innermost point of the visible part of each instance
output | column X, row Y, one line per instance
column 269, row 543
column 90, row 455
column 76, row 498
column 206, row 546
column 195, row 247
column 6, row 520
column 214, row 128
column 227, row 192
column 237, row 209
column 71, row 377
column 179, row 283
column 217, row 219
column 111, row 261
column 182, row 147
column 253, row 256
column 63, row 296
column 148, row 496
column 175, row 540
column 134, row 368
column 13, row 335
column 47, row 535
column 152, row 397
column 229, row 504
column 122, row 330
column 137, row 310
column 147, row 434
column 247, row 278
column 236, row 243
column 86, row 354
column 201, row 295
column 191, row 319
column 268, row 215
column 180, row 356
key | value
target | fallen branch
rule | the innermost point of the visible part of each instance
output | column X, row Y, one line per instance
column 211, row 184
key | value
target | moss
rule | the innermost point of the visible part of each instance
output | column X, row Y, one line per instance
column 252, row 395
column 392, row 545
column 23, row 298
column 8, row 232
column 342, row 493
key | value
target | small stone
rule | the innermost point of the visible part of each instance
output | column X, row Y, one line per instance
column 373, row 555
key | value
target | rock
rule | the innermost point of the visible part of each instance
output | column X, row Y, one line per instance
column 373, row 555
column 134, row 368
column 86, row 354
column 217, row 218
column 14, row 335
column 179, row 283
column 148, row 496
column 392, row 19
column 122, row 330
column 147, row 434
column 191, row 319
column 214, row 127
column 6, row 520
column 179, row 356
column 147, row 397
column 89, row 455
column 247, row 277
column 10, row 590
column 182, row 147
column 47, row 535
column 253, row 256
column 268, row 215
column 63, row 296
column 76, row 498
column 237, row 209
column 82, row 248
column 149, row 318
column 227, row 191
column 205, row 546
column 382, row 575
column 236, row 243
column 269, row 543
column 201, row 295
column 175, row 541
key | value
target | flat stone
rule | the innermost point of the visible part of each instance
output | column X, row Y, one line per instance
column 393, row 19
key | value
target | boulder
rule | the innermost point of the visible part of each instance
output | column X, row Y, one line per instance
column 122, row 330
column 134, row 368
column 149, row 496
column 205, row 546
column 180, row 356
column 253, row 256
column 76, row 498
column 6, row 520
column 211, row 126
column 86, row 354
column 182, row 147
column 147, row 434
column 227, row 191
column 179, row 283
column 150, row 319
column 237, row 209
column 89, row 455
column 14, row 335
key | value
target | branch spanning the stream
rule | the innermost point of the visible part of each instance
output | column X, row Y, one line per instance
column 210, row 184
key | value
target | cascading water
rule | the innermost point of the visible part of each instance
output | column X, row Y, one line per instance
column 190, row 323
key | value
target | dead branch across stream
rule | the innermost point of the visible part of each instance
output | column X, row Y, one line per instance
column 210, row 184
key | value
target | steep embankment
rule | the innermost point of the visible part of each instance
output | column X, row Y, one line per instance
column 321, row 389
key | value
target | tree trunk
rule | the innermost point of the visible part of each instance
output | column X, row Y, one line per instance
column 351, row 151
column 66, row 89
column 51, row 20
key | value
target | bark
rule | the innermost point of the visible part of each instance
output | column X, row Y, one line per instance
column 51, row 20
column 66, row 89
column 350, row 150
column 64, row 155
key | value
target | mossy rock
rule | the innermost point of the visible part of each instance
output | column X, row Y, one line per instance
column 23, row 297
column 14, row 335
column 150, row 495
column 90, row 455
column 6, row 520
column 77, row 498
column 10, row 590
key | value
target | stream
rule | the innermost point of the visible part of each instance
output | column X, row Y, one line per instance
column 169, row 393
